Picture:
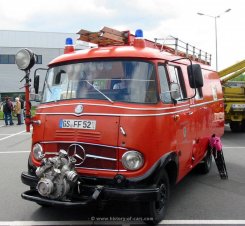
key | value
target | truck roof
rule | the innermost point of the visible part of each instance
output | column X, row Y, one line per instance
column 114, row 52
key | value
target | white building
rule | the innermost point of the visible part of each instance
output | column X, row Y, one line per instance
column 47, row 46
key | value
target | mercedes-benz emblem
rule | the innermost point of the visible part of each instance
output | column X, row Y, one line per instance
column 79, row 109
column 78, row 152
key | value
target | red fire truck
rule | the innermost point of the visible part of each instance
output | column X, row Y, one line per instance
column 124, row 120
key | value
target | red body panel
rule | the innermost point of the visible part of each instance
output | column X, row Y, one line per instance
column 152, row 129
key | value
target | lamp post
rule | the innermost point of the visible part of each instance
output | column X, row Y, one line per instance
column 216, row 36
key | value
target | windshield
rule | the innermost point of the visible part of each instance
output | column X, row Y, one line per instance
column 120, row 80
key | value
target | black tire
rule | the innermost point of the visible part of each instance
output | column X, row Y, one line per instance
column 235, row 127
column 243, row 125
column 206, row 164
column 156, row 210
column 43, row 205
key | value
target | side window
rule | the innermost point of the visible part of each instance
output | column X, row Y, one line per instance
column 164, row 83
column 176, row 76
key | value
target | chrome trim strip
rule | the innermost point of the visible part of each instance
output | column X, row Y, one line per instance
column 87, row 156
column 108, row 114
column 68, row 142
column 51, row 153
column 100, row 157
column 123, row 107
column 208, row 102
column 101, row 169
column 134, row 115
column 113, row 106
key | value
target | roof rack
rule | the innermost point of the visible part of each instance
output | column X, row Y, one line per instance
column 180, row 48
column 111, row 37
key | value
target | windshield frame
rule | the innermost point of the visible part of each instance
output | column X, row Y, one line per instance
column 135, row 60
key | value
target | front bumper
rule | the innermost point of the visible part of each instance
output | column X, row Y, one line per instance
column 104, row 193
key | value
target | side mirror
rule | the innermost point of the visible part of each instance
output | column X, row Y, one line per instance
column 37, row 78
column 195, row 76
column 175, row 91
column 36, row 84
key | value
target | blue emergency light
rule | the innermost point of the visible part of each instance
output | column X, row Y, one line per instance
column 69, row 41
column 69, row 46
column 138, row 33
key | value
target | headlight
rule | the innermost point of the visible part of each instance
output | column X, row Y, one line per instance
column 38, row 152
column 132, row 160
column 25, row 59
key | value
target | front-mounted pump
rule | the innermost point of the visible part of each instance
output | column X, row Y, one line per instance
column 25, row 60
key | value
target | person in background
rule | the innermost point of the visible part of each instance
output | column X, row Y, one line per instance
column 7, row 110
column 18, row 110
column 22, row 110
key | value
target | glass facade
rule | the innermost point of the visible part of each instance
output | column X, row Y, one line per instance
column 10, row 59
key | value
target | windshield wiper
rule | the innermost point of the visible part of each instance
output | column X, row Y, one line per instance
column 99, row 91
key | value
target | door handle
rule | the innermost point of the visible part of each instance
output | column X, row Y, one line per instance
column 176, row 117
column 189, row 113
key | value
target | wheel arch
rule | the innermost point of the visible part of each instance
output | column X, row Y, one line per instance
column 172, row 171
column 168, row 162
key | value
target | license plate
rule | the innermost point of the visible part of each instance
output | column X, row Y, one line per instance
column 78, row 124
column 238, row 106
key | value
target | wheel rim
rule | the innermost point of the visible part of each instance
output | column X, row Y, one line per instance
column 161, row 203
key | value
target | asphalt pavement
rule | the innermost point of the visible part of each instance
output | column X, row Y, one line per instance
column 197, row 199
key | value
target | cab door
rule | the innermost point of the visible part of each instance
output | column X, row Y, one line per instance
column 201, row 118
column 183, row 121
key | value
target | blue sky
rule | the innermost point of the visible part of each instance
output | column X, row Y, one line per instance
column 158, row 18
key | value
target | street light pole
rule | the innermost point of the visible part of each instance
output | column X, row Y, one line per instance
column 216, row 43
column 216, row 33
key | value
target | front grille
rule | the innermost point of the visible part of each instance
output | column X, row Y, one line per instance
column 96, row 156
column 81, row 135
column 61, row 134
column 77, row 135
